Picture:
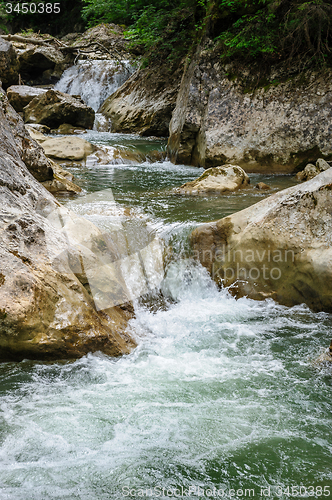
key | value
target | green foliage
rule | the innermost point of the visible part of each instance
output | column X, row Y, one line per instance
column 162, row 28
column 277, row 30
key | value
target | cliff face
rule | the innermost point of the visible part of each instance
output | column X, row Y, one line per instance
column 46, row 311
column 213, row 118
column 271, row 129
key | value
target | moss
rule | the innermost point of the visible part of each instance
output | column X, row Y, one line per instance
column 212, row 172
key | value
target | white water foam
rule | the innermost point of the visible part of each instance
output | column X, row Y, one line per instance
column 207, row 398
column 94, row 81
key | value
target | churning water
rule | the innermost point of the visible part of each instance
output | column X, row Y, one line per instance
column 94, row 81
column 220, row 394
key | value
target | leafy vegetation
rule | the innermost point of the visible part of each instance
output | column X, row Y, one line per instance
column 281, row 30
column 260, row 31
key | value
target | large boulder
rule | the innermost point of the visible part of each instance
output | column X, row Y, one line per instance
column 54, row 108
column 217, row 180
column 67, row 148
column 8, row 64
column 144, row 103
column 36, row 60
column 46, row 307
column 19, row 96
column 280, row 247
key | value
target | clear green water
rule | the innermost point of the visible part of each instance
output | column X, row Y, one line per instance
column 218, row 394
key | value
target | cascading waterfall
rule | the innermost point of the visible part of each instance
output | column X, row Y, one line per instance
column 94, row 81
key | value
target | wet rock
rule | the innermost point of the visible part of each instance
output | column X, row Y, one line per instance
column 62, row 182
column 46, row 312
column 67, row 129
column 19, row 96
column 311, row 170
column 67, row 148
column 55, row 108
column 308, row 173
column 262, row 186
column 280, row 247
column 323, row 359
column 109, row 155
column 8, row 64
column 217, row 180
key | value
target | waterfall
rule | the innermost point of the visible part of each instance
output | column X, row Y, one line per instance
column 94, row 81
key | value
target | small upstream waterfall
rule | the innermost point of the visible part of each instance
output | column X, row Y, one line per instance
column 94, row 81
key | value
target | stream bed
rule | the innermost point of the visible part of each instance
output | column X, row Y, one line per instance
column 220, row 399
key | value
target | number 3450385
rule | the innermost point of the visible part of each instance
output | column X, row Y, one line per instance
column 33, row 8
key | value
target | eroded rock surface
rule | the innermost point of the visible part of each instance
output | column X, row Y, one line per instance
column 144, row 103
column 217, row 180
column 311, row 170
column 54, row 108
column 46, row 310
column 272, row 129
column 8, row 64
column 280, row 247
column 69, row 148
column 19, row 96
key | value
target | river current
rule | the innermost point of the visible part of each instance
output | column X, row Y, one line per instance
column 220, row 399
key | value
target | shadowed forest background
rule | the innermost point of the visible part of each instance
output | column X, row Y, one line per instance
column 254, row 33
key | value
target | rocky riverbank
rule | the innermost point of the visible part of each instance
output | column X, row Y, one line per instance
column 278, row 248
column 46, row 310
column 213, row 116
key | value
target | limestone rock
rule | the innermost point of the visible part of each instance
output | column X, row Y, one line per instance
column 36, row 135
column 68, row 148
column 109, row 155
column 54, row 108
column 62, row 181
column 308, row 173
column 311, row 171
column 8, row 64
column 144, row 103
column 262, row 186
column 280, row 247
column 217, row 180
column 38, row 127
column 17, row 142
column 267, row 129
column 46, row 312
column 19, row 96
column 35, row 60
column 322, row 164
column 67, row 129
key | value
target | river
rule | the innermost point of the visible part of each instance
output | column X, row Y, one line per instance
column 220, row 399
